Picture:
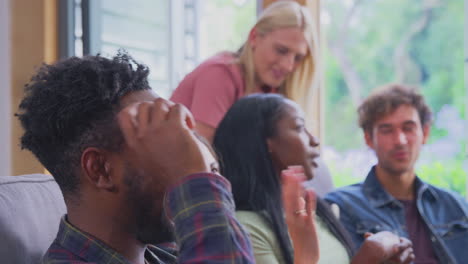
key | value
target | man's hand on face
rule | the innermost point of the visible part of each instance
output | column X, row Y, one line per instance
column 160, row 138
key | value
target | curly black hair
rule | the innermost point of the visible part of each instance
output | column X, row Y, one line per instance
column 71, row 105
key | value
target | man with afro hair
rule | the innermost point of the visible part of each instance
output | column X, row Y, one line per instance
column 131, row 169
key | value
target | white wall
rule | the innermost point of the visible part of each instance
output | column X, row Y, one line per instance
column 5, row 87
column 466, row 83
column 466, row 53
column 466, row 49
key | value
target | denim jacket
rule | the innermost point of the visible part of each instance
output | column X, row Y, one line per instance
column 367, row 207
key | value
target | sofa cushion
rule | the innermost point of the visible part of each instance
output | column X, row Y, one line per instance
column 30, row 210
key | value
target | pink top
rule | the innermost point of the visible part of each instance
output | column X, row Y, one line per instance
column 210, row 90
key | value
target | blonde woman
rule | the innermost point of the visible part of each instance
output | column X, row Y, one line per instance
column 279, row 56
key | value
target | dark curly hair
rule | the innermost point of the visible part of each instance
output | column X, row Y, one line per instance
column 71, row 105
column 386, row 99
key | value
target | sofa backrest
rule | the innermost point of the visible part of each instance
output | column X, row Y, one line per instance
column 30, row 210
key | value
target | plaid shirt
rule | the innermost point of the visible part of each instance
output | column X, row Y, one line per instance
column 202, row 210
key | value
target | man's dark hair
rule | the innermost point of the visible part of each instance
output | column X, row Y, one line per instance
column 71, row 105
column 386, row 99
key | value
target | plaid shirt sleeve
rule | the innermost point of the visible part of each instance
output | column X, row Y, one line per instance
column 202, row 210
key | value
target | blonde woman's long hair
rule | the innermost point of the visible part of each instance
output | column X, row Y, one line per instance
column 284, row 14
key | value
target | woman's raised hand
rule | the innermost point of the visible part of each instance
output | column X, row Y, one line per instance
column 299, row 208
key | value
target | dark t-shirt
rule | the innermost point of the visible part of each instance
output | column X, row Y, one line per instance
column 419, row 234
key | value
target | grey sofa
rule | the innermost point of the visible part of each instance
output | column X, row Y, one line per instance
column 30, row 210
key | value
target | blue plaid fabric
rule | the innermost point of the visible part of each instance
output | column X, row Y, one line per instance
column 202, row 211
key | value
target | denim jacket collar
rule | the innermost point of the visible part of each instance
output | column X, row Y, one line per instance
column 379, row 197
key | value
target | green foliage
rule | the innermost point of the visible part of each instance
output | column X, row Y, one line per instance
column 449, row 175
column 437, row 133
column 349, row 135
column 373, row 35
column 343, row 177
column 370, row 40
column 444, row 82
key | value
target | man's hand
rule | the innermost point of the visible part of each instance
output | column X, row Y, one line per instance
column 160, row 140
column 403, row 253
column 384, row 247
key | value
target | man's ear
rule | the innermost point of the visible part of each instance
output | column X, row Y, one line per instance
column 426, row 132
column 97, row 169
column 368, row 138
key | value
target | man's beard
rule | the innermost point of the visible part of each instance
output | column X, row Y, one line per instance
column 393, row 169
column 152, row 226
column 155, row 232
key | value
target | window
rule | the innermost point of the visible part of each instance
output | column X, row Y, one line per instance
column 170, row 37
column 369, row 43
column 224, row 25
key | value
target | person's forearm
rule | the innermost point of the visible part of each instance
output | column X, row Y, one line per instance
column 202, row 210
